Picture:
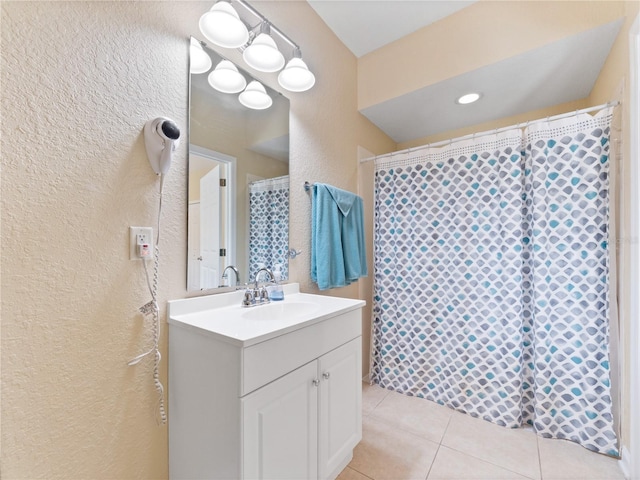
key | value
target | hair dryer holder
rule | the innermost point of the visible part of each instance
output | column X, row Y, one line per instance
column 161, row 137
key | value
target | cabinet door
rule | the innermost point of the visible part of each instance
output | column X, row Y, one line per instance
column 280, row 428
column 340, row 420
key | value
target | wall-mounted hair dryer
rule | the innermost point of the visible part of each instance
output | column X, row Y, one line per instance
column 161, row 137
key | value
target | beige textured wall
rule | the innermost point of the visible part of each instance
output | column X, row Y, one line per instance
column 366, row 176
column 613, row 84
column 494, row 124
column 326, row 128
column 79, row 80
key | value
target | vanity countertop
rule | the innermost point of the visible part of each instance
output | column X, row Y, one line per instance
column 222, row 316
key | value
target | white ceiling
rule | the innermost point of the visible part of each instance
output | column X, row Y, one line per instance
column 547, row 76
column 366, row 25
column 556, row 73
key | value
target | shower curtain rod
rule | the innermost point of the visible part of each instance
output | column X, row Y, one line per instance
column 489, row 132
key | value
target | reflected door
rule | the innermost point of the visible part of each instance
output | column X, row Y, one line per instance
column 193, row 270
column 210, row 228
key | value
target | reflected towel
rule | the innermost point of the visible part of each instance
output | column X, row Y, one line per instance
column 338, row 254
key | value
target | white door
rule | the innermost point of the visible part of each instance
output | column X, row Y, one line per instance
column 280, row 428
column 193, row 249
column 340, row 419
column 210, row 228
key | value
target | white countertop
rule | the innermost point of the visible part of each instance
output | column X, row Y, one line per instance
column 222, row 316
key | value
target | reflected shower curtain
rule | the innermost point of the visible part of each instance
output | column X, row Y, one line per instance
column 269, row 225
column 491, row 278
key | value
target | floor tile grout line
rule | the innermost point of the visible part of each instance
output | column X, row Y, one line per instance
column 438, row 449
column 432, row 462
column 445, row 429
column 539, row 456
column 538, row 477
column 490, row 463
column 363, row 474
column 387, row 392
column 381, row 400
column 404, row 430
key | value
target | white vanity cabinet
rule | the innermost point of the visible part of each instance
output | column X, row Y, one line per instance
column 305, row 424
column 265, row 399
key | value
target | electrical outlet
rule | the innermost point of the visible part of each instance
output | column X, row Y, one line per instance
column 140, row 236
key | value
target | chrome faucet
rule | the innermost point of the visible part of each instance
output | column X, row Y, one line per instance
column 264, row 269
column 235, row 270
column 257, row 296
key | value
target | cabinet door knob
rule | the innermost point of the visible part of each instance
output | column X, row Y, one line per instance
column 316, row 382
column 326, row 375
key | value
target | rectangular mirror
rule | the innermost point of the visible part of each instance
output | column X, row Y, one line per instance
column 238, row 196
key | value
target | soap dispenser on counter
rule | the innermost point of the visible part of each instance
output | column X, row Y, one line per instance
column 275, row 291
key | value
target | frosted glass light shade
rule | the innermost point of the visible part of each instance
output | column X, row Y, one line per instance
column 296, row 76
column 200, row 62
column 263, row 54
column 255, row 96
column 226, row 79
column 222, row 26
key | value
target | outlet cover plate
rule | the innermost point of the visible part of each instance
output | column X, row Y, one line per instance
column 146, row 233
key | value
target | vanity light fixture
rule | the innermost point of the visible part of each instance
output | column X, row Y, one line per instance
column 468, row 98
column 200, row 61
column 296, row 76
column 263, row 54
column 222, row 26
column 226, row 78
column 226, row 25
column 255, row 96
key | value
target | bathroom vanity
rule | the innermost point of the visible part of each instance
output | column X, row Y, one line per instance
column 265, row 392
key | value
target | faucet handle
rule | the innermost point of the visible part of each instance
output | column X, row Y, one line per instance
column 264, row 295
column 249, row 298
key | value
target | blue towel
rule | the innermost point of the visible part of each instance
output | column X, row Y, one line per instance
column 338, row 254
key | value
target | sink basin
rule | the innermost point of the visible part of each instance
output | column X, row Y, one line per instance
column 280, row 311
column 222, row 316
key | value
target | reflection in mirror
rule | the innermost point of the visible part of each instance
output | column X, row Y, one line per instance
column 238, row 185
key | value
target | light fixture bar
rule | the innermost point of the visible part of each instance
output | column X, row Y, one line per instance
column 262, row 19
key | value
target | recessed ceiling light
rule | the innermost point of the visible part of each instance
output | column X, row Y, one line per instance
column 468, row 98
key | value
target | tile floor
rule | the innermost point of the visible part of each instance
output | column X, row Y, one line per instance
column 406, row 438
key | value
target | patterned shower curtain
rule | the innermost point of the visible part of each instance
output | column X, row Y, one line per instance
column 269, row 224
column 491, row 278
